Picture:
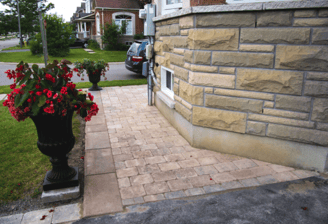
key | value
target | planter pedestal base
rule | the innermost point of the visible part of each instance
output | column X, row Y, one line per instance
column 95, row 87
column 47, row 185
column 61, row 194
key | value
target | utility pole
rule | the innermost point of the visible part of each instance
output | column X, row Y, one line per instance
column 43, row 36
column 19, row 26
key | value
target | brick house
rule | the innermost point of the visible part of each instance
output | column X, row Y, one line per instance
column 99, row 12
column 249, row 79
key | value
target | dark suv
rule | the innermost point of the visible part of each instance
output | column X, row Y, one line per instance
column 136, row 55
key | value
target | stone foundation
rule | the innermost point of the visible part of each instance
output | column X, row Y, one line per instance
column 251, row 83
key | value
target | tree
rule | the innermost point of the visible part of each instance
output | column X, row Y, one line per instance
column 29, row 14
column 6, row 24
column 112, row 33
column 59, row 36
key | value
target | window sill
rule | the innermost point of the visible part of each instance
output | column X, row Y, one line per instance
column 167, row 100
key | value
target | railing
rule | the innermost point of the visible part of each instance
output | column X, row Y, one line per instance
column 84, row 34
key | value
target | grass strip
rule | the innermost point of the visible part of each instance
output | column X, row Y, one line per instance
column 17, row 47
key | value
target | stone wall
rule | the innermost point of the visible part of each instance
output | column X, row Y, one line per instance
column 262, row 73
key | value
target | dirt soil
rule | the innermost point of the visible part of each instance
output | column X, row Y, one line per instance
column 30, row 204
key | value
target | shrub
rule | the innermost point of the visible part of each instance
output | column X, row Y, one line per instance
column 92, row 44
column 36, row 45
column 112, row 33
column 139, row 36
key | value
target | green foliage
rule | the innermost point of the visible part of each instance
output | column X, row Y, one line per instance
column 36, row 45
column 112, row 34
column 139, row 36
column 58, row 36
column 92, row 44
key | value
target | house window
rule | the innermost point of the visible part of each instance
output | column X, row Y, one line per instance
column 98, row 24
column 171, row 6
column 119, row 21
column 167, row 82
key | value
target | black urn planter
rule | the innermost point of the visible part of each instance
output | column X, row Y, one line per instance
column 56, row 140
column 94, row 79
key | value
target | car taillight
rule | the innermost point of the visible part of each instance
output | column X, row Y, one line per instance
column 137, row 58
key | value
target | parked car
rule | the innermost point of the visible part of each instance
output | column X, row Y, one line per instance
column 80, row 43
column 136, row 55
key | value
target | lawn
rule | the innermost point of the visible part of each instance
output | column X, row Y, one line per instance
column 22, row 165
column 17, row 47
column 74, row 55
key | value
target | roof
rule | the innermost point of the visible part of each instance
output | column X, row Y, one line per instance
column 129, row 4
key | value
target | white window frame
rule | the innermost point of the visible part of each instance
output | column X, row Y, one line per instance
column 133, row 19
column 98, row 23
column 164, row 89
column 168, row 8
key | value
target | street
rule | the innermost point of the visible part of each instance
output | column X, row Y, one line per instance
column 9, row 43
column 117, row 71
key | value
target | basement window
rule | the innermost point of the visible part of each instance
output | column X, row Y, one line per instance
column 167, row 82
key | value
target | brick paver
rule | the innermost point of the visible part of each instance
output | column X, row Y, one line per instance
column 154, row 162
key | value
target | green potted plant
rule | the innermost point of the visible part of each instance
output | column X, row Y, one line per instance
column 94, row 70
column 49, row 98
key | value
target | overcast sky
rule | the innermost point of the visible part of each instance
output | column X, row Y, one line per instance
column 66, row 8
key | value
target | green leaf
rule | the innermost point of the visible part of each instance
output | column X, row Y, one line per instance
column 22, row 100
column 17, row 98
column 45, row 84
column 83, row 113
column 42, row 101
column 30, row 83
column 35, row 108
column 35, row 68
column 24, row 79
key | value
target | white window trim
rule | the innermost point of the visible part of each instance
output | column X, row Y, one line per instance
column 132, row 18
column 170, row 8
column 98, row 23
column 164, row 89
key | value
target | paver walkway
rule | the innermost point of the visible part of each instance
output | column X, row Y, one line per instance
column 153, row 161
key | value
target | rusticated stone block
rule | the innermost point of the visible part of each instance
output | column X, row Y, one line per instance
column 202, row 57
column 313, row 58
column 320, row 76
column 270, row 81
column 227, row 70
column 179, row 42
column 305, row 13
column 191, row 94
column 208, row 90
column 176, row 60
column 316, row 88
column 256, row 48
column 298, row 134
column 158, row 48
column 257, row 60
column 245, row 94
column 268, row 104
column 183, row 102
column 234, row 103
column 181, row 73
column 208, row 79
column 322, row 126
column 295, row 103
column 276, row 35
column 186, row 22
column 167, row 44
column 176, row 89
column 170, row 21
column 320, row 36
column 274, row 18
column 256, row 128
column 203, row 68
column 219, row 119
column 164, row 30
column 320, row 110
column 178, row 51
column 311, row 22
column 323, row 13
column 183, row 111
column 188, row 56
column 226, row 20
column 184, row 32
column 213, row 39
column 287, row 114
column 279, row 120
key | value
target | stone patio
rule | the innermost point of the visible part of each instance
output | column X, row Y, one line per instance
column 153, row 161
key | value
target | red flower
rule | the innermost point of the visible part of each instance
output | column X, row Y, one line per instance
column 48, row 101
column 55, row 96
column 82, row 79
column 90, row 96
column 37, row 86
column 23, row 85
column 75, row 70
column 34, row 98
column 31, row 92
column 39, row 93
column 49, row 94
column 63, row 90
column 105, row 78
column 29, row 100
column 45, row 90
column 12, row 86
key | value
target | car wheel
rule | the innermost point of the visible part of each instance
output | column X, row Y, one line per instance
column 85, row 45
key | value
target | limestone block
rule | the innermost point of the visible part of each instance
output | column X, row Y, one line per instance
column 219, row 119
column 179, row 42
column 270, row 81
column 323, row 13
column 294, row 103
column 181, row 73
column 320, row 110
column 305, row 13
column 298, row 134
column 176, row 89
column 258, row 60
column 208, row 90
column 159, row 59
column 245, row 94
column 188, row 56
column 176, row 59
column 187, row 65
column 240, row 19
column 183, row 102
column 320, row 76
column 233, row 103
column 174, row 30
column 213, row 39
column 227, row 70
column 158, row 48
column 184, row 32
column 255, row 128
column 276, row 35
column 322, row 126
column 302, row 57
column 215, row 80
column 171, row 21
column 166, row 61
column 178, row 51
column 176, row 80
column 164, row 30
column 320, row 36
column 167, row 44
column 157, row 35
column 256, row 48
column 183, row 111
column 191, row 94
column 316, row 88
column 203, row 68
column 268, row 104
column 287, row 114
column 311, row 22
column 279, row 120
column 186, row 22
column 202, row 57
column 274, row 18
